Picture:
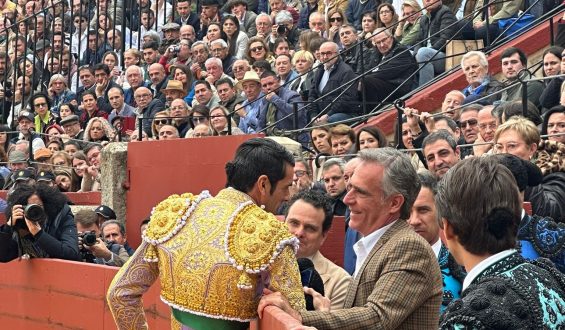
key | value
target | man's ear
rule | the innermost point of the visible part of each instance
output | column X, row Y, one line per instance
column 448, row 230
column 263, row 185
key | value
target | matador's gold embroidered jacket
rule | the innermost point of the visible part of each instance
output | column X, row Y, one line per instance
column 213, row 256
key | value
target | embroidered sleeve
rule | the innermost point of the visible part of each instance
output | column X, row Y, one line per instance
column 129, row 284
column 285, row 278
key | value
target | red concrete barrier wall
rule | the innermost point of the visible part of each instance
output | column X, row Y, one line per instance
column 158, row 169
column 58, row 294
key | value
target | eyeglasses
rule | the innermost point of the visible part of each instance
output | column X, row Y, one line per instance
column 336, row 19
column 161, row 122
column 470, row 122
column 257, row 49
column 299, row 173
column 381, row 42
column 40, row 105
column 198, row 119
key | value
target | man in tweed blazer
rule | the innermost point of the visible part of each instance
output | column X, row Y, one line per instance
column 397, row 283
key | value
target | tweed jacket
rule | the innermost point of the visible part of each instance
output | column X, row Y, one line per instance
column 336, row 280
column 399, row 286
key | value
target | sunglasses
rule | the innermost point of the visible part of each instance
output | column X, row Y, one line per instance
column 257, row 49
column 470, row 122
column 161, row 122
column 198, row 119
column 336, row 19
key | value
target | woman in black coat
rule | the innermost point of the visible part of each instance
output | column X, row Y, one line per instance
column 52, row 235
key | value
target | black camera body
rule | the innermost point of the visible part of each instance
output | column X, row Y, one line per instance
column 282, row 29
column 89, row 238
column 174, row 49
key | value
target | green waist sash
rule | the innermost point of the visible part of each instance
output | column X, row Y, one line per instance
column 198, row 322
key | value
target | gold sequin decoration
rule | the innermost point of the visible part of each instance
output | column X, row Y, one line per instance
column 255, row 249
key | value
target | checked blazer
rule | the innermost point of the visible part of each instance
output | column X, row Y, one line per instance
column 399, row 286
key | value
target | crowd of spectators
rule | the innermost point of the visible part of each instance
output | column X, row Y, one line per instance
column 78, row 75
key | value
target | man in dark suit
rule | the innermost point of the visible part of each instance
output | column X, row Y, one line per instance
column 397, row 282
column 388, row 81
column 328, row 83
column 186, row 16
column 246, row 18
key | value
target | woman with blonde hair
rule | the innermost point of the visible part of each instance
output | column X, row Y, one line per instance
column 161, row 119
column 99, row 129
column 302, row 63
column 520, row 137
column 407, row 31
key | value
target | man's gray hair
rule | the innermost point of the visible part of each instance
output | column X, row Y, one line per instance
column 333, row 162
column 384, row 30
column 198, row 43
column 475, row 53
column 134, row 67
column 263, row 15
column 153, row 35
column 219, row 41
column 399, row 176
column 214, row 60
column 283, row 16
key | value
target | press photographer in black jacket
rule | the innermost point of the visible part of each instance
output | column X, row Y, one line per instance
column 46, row 230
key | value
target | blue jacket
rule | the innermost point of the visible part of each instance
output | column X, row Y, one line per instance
column 250, row 123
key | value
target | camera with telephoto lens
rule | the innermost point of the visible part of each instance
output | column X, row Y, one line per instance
column 281, row 29
column 34, row 212
column 174, row 49
column 89, row 238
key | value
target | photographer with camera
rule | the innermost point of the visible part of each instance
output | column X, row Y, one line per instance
column 40, row 225
column 176, row 54
column 93, row 248
column 284, row 28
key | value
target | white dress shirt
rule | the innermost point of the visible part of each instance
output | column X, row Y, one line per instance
column 481, row 266
column 437, row 247
column 364, row 246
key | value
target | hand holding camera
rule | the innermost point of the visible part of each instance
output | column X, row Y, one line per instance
column 172, row 51
column 89, row 241
column 32, row 214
